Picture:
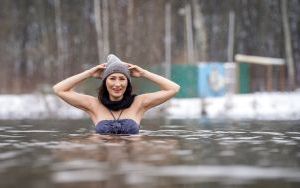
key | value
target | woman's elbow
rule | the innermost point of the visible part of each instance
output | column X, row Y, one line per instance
column 56, row 89
column 177, row 88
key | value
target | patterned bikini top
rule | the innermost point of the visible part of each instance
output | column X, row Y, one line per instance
column 117, row 126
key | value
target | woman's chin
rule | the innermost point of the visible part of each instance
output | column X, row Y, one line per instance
column 116, row 97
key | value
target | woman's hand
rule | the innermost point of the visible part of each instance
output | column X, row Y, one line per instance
column 135, row 70
column 96, row 72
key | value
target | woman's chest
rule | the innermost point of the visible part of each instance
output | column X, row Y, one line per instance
column 106, row 114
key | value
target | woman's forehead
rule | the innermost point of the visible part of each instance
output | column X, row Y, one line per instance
column 117, row 75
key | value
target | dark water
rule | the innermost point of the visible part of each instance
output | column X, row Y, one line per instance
column 45, row 154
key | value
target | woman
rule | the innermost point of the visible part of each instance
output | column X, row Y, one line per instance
column 116, row 110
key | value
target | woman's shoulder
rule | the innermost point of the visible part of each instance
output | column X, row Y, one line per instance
column 95, row 105
column 138, row 99
column 138, row 102
column 141, row 98
column 93, row 101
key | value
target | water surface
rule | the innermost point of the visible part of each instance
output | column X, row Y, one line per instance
column 165, row 154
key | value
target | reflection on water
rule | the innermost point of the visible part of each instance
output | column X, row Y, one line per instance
column 70, row 154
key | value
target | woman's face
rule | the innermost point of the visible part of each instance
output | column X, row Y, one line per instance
column 116, row 85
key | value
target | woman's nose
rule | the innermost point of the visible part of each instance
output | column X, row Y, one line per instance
column 117, row 83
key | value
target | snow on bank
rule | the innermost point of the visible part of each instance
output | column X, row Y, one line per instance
column 257, row 106
column 36, row 106
column 261, row 106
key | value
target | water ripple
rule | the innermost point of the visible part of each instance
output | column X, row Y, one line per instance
column 31, row 131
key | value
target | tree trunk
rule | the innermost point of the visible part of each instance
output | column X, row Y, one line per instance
column 129, row 29
column 288, row 45
column 61, row 46
column 116, row 27
column 98, row 25
column 200, row 33
column 230, row 47
column 168, row 40
column 105, row 28
column 189, row 32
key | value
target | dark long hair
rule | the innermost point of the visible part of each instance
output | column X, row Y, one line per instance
column 127, row 100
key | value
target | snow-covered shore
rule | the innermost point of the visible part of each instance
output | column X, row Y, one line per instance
column 257, row 106
column 36, row 106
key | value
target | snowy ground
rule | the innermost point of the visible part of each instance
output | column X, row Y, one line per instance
column 258, row 106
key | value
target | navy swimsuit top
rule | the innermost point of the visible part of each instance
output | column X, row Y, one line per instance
column 119, row 126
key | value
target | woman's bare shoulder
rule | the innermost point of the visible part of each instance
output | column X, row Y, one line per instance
column 95, row 103
column 138, row 102
column 97, row 110
column 138, row 99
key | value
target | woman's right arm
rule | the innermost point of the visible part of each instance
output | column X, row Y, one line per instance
column 65, row 89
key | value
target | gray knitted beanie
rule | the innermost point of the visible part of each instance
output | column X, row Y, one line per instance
column 115, row 65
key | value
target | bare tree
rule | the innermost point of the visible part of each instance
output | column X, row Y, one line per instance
column 61, row 43
column 168, row 40
column 200, row 32
column 288, row 45
column 105, row 22
column 98, row 25
column 189, row 33
column 129, row 29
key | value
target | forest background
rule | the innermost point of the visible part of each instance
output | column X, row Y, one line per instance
column 43, row 42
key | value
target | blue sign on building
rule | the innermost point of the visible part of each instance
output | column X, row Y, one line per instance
column 211, row 80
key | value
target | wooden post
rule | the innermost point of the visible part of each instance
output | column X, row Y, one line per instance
column 282, row 77
column 168, row 40
column 288, row 45
column 269, row 78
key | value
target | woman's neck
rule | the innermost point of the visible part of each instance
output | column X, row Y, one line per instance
column 111, row 98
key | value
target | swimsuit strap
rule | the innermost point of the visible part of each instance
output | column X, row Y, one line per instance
column 114, row 116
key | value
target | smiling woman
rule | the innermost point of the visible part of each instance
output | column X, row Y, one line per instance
column 116, row 84
column 116, row 110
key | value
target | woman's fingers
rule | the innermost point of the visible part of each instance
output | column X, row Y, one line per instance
column 101, row 66
column 131, row 67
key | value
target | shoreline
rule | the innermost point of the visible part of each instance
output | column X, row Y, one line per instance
column 256, row 106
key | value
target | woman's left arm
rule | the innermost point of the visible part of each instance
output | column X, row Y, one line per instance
column 168, row 87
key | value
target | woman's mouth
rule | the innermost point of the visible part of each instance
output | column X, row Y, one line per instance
column 117, row 90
